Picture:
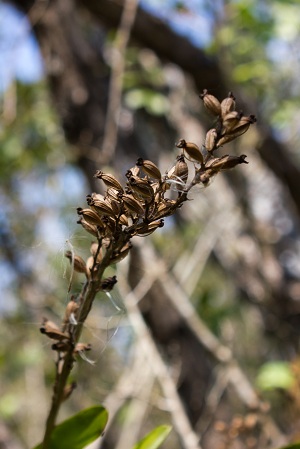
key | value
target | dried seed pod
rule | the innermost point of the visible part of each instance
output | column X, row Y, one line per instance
column 226, row 139
column 239, row 129
column 211, row 139
column 110, row 224
column 243, row 124
column 108, row 179
column 211, row 103
column 95, row 196
column 101, row 207
column 52, row 331
column 150, row 168
column 90, row 216
column 112, row 194
column 77, row 261
column 191, row 149
column 121, row 254
column 82, row 347
column 181, row 169
column 49, row 323
column 61, row 346
column 95, row 250
column 134, row 171
column 226, row 162
column 147, row 229
column 142, row 188
column 108, row 284
column 132, row 204
column 116, row 206
column 92, row 229
column 123, row 220
column 230, row 121
column 206, row 176
column 163, row 209
column 165, row 203
column 71, row 309
column 228, row 104
column 68, row 390
column 90, row 263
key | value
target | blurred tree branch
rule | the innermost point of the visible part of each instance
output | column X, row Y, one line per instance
column 61, row 42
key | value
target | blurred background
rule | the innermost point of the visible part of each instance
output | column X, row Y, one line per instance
column 87, row 85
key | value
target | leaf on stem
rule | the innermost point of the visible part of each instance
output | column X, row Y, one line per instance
column 154, row 438
column 79, row 430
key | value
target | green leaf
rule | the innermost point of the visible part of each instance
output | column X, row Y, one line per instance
column 275, row 375
column 79, row 430
column 292, row 446
column 154, row 439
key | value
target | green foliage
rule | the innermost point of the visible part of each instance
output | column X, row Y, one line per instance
column 154, row 438
column 154, row 102
column 274, row 375
column 79, row 430
column 144, row 83
column 292, row 446
column 33, row 135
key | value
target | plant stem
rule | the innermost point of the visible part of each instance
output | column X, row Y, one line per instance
column 64, row 365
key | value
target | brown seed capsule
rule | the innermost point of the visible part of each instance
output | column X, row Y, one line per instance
column 108, row 284
column 147, row 229
column 49, row 323
column 123, row 220
column 239, row 129
column 228, row 104
column 133, row 205
column 141, row 187
column 96, row 251
column 116, row 206
column 181, row 169
column 210, row 139
column 96, row 196
column 108, row 179
column 68, row 390
column 163, row 209
column 52, row 331
column 205, row 177
column 110, row 225
column 226, row 139
column 150, row 168
column 90, row 216
column 90, row 264
column 165, row 204
column 121, row 254
column 77, row 262
column 211, row 103
column 191, row 149
column 226, row 162
column 82, row 347
column 71, row 309
column 230, row 121
column 243, row 124
column 61, row 346
column 101, row 207
column 92, row 229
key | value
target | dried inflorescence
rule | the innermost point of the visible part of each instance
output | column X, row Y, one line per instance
column 138, row 207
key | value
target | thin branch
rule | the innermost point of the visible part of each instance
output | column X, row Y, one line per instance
column 117, row 55
column 220, row 352
column 181, row 423
column 138, row 406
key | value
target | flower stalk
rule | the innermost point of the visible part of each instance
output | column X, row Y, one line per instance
column 136, row 208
